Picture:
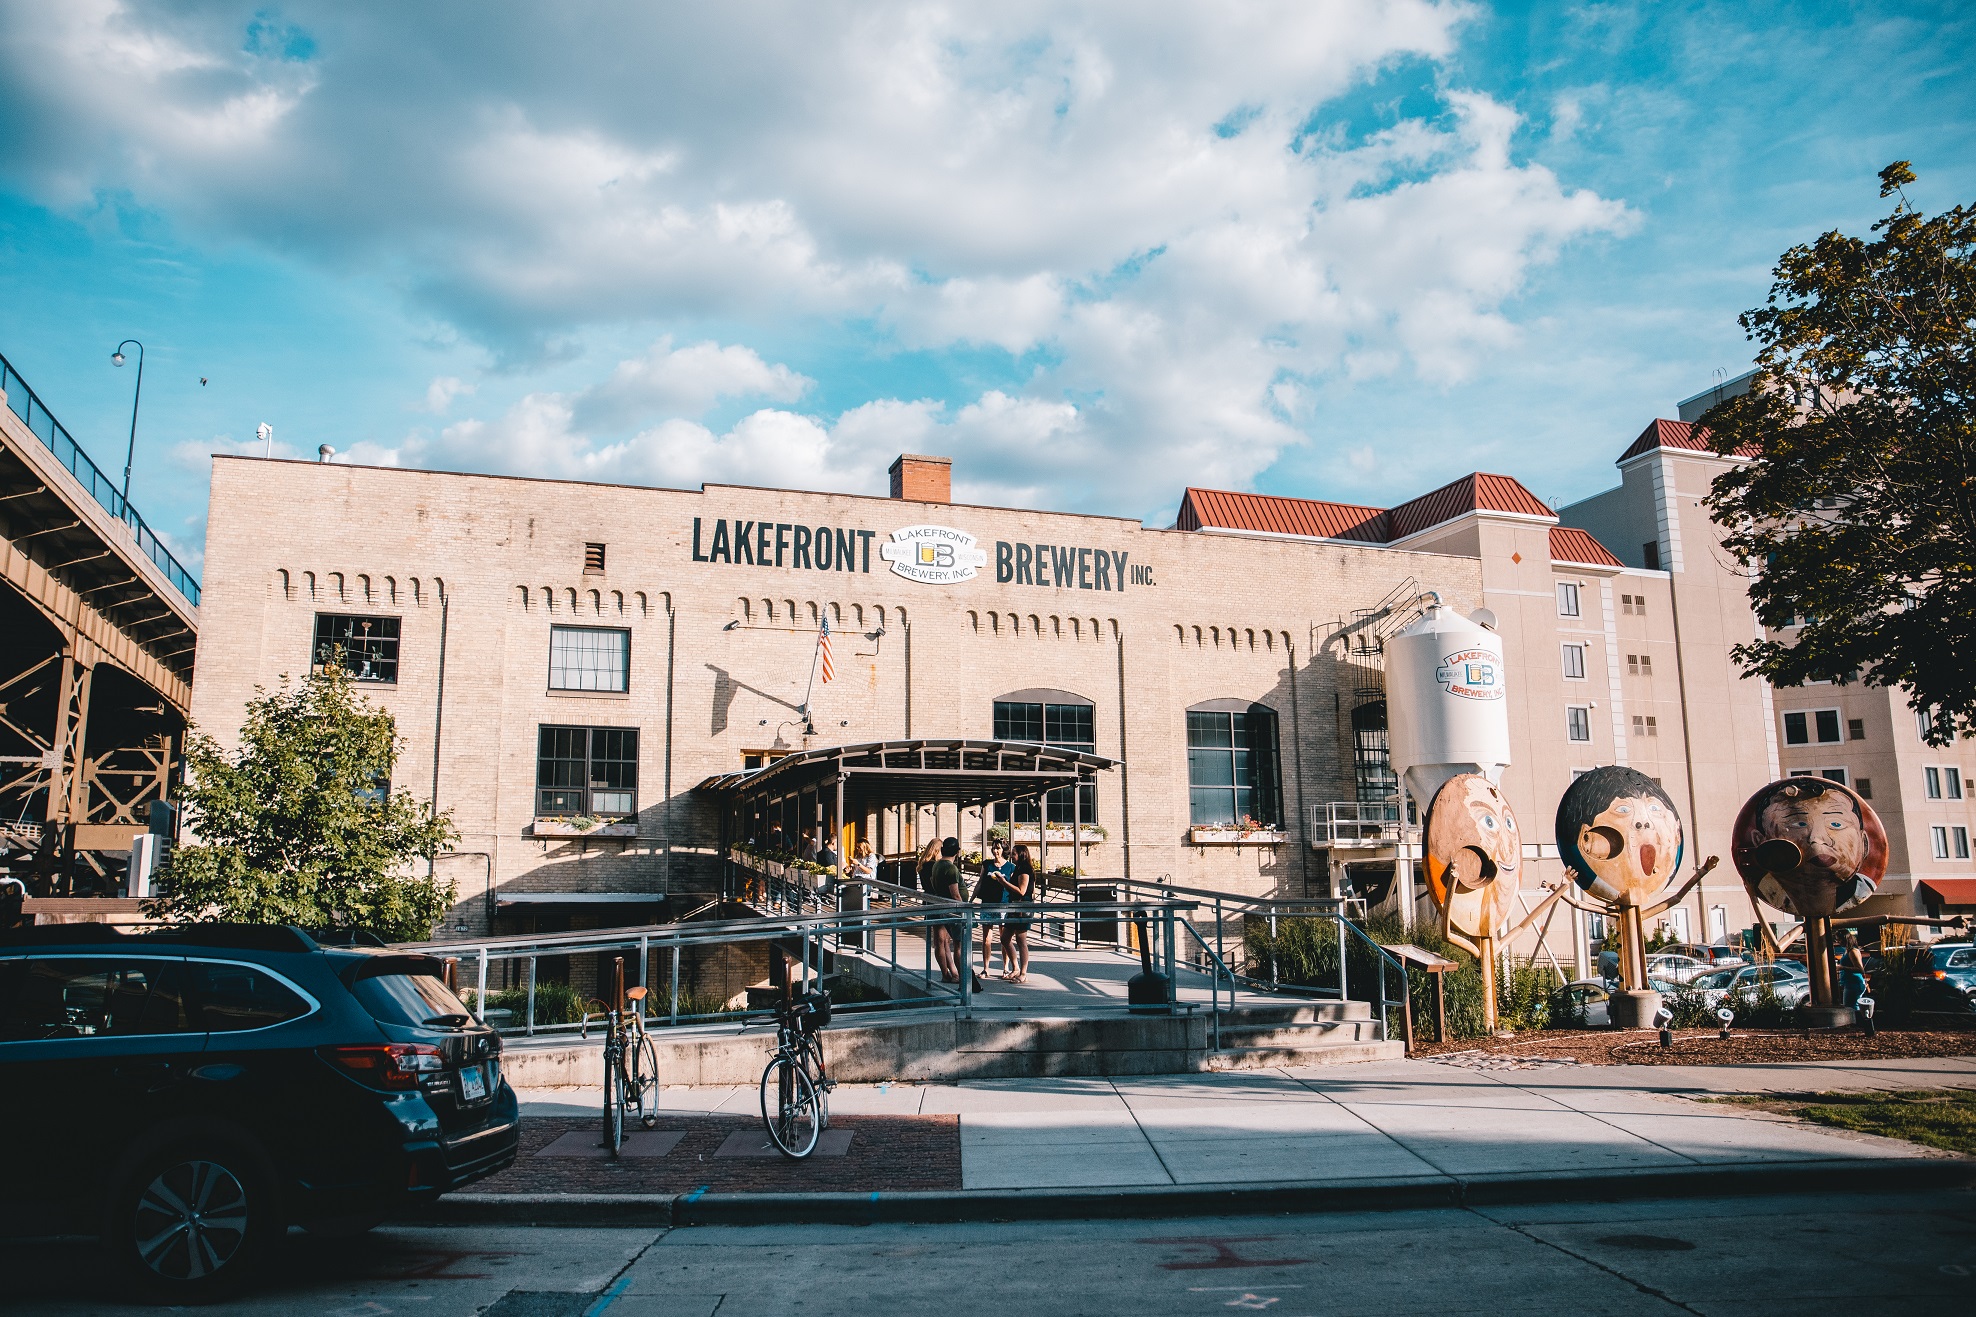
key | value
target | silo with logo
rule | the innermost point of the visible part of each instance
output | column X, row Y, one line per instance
column 1446, row 705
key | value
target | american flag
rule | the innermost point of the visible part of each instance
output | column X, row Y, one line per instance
column 823, row 651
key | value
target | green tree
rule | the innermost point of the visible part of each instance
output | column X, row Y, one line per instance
column 1857, row 506
column 299, row 827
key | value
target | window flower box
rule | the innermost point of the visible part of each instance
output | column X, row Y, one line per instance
column 1088, row 834
column 1228, row 835
column 583, row 825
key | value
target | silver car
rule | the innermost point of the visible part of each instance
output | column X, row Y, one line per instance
column 1592, row 999
column 1788, row 981
column 1672, row 967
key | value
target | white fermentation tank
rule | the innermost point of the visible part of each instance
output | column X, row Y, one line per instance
column 1447, row 707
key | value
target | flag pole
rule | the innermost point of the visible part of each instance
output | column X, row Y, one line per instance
column 809, row 724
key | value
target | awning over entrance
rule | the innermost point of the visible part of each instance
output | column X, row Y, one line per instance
column 1950, row 891
column 880, row 774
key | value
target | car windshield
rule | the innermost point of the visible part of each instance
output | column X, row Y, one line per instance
column 1718, row 979
column 410, row 999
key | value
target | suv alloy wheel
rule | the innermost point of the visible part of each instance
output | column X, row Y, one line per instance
column 191, row 1222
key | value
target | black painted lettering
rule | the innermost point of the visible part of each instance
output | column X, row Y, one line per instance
column 847, row 551
column 1119, row 560
column 1025, row 557
column 865, row 537
column 1004, row 562
column 799, row 546
column 1084, row 569
column 1063, row 566
column 762, row 530
column 1101, row 580
column 718, row 551
column 744, row 541
column 782, row 529
column 823, row 555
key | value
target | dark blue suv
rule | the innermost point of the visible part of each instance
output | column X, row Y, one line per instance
column 188, row 1094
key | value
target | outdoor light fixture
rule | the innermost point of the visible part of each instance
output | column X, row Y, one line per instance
column 137, row 394
column 1663, row 1021
column 1866, row 1016
column 1727, row 1016
column 735, row 625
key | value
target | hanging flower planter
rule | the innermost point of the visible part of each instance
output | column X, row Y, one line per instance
column 1230, row 835
column 583, row 825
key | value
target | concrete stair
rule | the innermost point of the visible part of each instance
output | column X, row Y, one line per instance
column 1301, row 1034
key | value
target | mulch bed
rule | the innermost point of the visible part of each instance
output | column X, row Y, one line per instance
column 886, row 1153
column 1700, row 1047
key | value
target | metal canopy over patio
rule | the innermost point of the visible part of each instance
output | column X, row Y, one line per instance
column 847, row 783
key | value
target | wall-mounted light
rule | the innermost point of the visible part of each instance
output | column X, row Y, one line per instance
column 735, row 625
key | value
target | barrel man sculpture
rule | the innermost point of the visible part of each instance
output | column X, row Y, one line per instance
column 1621, row 840
column 1812, row 849
column 1472, row 853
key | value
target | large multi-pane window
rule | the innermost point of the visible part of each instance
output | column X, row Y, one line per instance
column 589, row 658
column 587, row 770
column 1232, row 771
column 364, row 647
column 1065, row 722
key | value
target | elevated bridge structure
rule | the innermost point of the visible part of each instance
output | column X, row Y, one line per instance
column 98, row 620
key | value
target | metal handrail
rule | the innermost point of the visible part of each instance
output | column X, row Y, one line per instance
column 41, row 423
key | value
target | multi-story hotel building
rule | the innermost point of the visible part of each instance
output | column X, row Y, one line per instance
column 567, row 662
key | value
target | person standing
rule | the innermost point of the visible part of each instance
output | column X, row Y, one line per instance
column 1021, row 882
column 864, row 864
column 936, row 929
column 1852, row 968
column 947, row 882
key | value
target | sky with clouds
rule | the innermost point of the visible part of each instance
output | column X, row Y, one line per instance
column 1095, row 252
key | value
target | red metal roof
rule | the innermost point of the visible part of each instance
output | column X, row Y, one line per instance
column 1222, row 509
column 1474, row 493
column 1952, row 891
column 1569, row 544
column 1676, row 434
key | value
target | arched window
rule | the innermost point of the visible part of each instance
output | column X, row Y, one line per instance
column 1232, row 768
column 1049, row 717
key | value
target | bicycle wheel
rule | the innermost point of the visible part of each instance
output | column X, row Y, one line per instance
column 789, row 1107
column 819, row 1080
column 641, row 1087
column 613, row 1102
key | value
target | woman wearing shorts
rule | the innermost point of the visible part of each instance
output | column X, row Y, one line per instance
column 1021, row 883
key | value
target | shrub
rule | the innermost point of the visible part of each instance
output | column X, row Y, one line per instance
column 555, row 1003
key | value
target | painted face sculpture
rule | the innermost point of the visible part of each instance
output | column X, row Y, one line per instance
column 1810, row 847
column 1619, row 833
column 1473, row 854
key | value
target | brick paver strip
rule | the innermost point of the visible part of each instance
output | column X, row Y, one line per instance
column 888, row 1153
column 833, row 1142
column 588, row 1143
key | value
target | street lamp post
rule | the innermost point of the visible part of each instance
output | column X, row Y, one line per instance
column 130, row 454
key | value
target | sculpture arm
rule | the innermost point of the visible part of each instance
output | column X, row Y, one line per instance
column 1531, row 918
column 1686, row 888
column 1568, row 893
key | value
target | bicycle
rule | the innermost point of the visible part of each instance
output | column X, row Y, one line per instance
column 796, row 1086
column 631, row 1062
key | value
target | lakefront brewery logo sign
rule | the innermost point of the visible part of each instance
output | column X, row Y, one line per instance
column 933, row 555
column 1472, row 674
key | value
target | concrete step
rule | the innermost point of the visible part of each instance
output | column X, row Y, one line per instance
column 1297, row 1012
column 1320, row 1033
column 1343, row 1053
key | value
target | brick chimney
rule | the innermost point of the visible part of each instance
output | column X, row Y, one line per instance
column 923, row 479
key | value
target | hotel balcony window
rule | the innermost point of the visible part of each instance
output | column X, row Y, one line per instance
column 586, row 658
column 1952, row 783
column 1578, row 722
column 586, row 770
column 1931, row 783
column 1574, row 662
column 1800, row 727
column 364, row 647
column 1567, row 599
column 1939, row 838
column 1959, row 843
column 1232, row 768
column 1054, row 718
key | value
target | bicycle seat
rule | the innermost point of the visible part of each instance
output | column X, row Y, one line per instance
column 634, row 994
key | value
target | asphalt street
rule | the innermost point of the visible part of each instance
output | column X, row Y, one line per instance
column 1800, row 1255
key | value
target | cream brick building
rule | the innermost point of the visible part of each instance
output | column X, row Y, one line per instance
column 554, row 650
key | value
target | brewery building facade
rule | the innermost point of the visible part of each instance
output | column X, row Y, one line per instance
column 568, row 661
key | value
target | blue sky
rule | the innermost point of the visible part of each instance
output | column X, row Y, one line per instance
column 1094, row 252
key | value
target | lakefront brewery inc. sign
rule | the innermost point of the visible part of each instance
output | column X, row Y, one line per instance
column 926, row 554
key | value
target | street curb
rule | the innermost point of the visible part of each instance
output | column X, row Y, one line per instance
column 1387, row 1195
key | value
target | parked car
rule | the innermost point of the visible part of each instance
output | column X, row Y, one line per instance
column 1788, row 982
column 188, row 1094
column 1717, row 956
column 1591, row 1000
column 1949, row 982
column 1670, row 967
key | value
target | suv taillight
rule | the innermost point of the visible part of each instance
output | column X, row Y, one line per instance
column 394, row 1067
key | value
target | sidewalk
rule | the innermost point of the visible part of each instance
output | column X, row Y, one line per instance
column 1381, row 1133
